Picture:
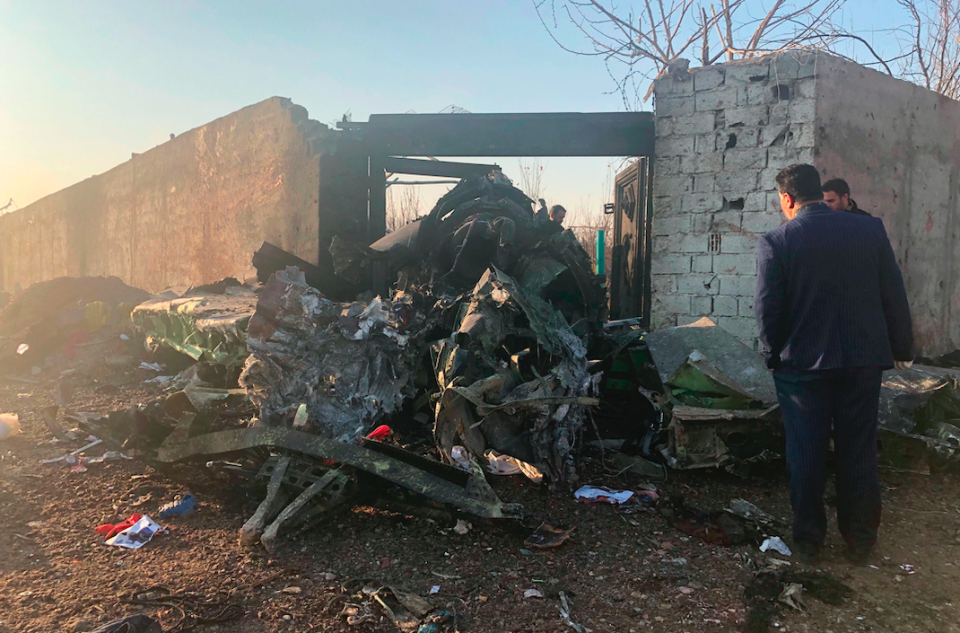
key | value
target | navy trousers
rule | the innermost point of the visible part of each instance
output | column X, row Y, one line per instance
column 842, row 404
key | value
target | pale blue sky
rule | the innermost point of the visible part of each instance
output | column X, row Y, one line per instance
column 84, row 84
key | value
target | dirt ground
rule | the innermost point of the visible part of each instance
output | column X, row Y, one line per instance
column 620, row 572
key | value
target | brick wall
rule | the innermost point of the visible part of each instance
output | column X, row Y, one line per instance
column 723, row 133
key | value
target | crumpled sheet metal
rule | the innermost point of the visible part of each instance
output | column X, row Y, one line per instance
column 204, row 326
column 484, row 222
column 920, row 418
column 349, row 363
column 671, row 347
column 487, row 404
column 709, row 438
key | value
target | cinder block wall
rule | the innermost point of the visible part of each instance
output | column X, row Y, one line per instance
column 192, row 210
column 723, row 133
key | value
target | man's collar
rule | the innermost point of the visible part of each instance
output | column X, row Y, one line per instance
column 813, row 208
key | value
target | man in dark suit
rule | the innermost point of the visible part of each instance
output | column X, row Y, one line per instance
column 833, row 314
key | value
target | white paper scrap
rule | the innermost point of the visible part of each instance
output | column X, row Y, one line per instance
column 137, row 535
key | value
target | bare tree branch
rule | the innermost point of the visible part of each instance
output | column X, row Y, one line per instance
column 934, row 52
column 637, row 45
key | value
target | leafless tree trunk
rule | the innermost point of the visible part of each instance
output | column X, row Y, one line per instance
column 932, row 43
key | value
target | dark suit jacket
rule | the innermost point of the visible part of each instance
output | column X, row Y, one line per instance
column 830, row 294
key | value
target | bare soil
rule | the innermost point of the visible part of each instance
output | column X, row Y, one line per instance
column 620, row 572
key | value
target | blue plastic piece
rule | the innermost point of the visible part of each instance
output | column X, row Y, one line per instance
column 182, row 507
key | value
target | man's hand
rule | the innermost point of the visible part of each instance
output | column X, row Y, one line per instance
column 903, row 364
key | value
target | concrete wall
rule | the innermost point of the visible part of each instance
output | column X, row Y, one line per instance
column 194, row 209
column 898, row 145
column 723, row 133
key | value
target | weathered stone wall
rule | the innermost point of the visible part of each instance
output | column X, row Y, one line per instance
column 723, row 133
column 898, row 146
column 192, row 210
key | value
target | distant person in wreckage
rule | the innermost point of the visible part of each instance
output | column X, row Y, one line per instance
column 557, row 215
column 833, row 314
column 836, row 194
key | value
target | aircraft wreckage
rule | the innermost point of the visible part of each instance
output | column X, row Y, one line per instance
column 481, row 342
column 476, row 342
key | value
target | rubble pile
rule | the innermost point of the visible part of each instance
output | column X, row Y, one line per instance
column 479, row 334
column 485, row 295
column 513, row 377
column 348, row 363
column 63, row 311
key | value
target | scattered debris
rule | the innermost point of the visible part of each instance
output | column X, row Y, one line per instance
column 533, row 593
column 350, row 364
column 94, row 442
column 776, row 544
column 920, row 419
column 202, row 325
column 565, row 611
column 108, row 456
column 749, row 512
column 603, row 494
column 109, row 530
column 792, row 596
column 131, row 624
column 270, row 259
column 181, row 507
column 135, row 536
column 462, row 527
column 762, row 594
column 60, row 314
column 49, row 415
column 498, row 464
column 9, row 425
column 547, row 537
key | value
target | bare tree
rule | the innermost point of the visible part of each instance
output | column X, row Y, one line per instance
column 530, row 181
column 403, row 206
column 639, row 43
column 931, row 40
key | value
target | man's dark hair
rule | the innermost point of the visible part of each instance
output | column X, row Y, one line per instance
column 555, row 209
column 800, row 181
column 838, row 186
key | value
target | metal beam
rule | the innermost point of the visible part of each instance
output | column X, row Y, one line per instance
column 377, row 208
column 470, row 493
column 439, row 168
column 545, row 134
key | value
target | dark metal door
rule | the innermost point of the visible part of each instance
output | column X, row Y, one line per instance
column 630, row 270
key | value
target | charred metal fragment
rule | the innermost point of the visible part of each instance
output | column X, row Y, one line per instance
column 473, row 495
column 270, row 259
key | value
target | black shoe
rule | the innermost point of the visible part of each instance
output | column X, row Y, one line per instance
column 859, row 556
column 807, row 553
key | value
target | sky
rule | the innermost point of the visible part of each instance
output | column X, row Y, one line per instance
column 85, row 84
